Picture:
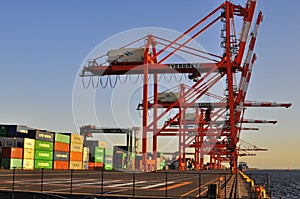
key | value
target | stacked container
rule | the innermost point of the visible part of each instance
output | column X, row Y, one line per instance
column 61, row 156
column 17, row 131
column 76, row 152
column 108, row 159
column 43, row 149
column 12, row 157
column 28, row 153
column 85, row 160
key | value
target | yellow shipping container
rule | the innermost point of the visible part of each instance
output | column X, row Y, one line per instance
column 28, row 154
column 102, row 144
column 76, row 138
column 76, row 165
column 28, row 164
column 29, row 143
column 76, row 147
column 86, row 152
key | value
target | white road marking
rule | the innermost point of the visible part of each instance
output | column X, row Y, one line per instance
column 124, row 184
column 156, row 185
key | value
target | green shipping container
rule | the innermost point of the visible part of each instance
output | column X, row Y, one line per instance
column 3, row 130
column 43, row 145
column 99, row 150
column 43, row 164
column 62, row 138
column 108, row 152
column 7, row 163
column 108, row 166
column 43, row 155
column 99, row 158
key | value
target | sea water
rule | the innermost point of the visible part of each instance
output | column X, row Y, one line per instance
column 283, row 183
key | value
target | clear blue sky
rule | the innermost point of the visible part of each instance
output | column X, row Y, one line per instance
column 42, row 45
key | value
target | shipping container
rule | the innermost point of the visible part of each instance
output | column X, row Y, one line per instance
column 126, row 56
column 43, row 164
column 108, row 159
column 167, row 97
column 28, row 164
column 59, row 146
column 10, row 163
column 3, row 130
column 60, row 165
column 95, row 165
column 76, row 138
column 85, row 154
column 28, row 154
column 76, row 147
column 76, row 156
column 12, row 152
column 62, row 138
column 76, row 165
column 85, row 165
column 61, row 156
column 17, row 131
column 27, row 143
column 43, row 155
column 43, row 145
column 41, row 135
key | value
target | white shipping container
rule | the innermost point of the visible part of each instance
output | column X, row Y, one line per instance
column 168, row 97
column 125, row 55
column 85, row 165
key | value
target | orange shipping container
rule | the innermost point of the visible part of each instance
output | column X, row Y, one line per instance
column 12, row 152
column 95, row 165
column 75, row 156
column 59, row 146
column 61, row 165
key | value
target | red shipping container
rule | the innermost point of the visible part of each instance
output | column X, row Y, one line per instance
column 59, row 146
column 76, row 156
column 12, row 152
column 91, row 165
column 60, row 165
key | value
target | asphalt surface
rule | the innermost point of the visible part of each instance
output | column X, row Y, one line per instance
column 170, row 184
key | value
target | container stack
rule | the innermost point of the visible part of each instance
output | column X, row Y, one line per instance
column 28, row 153
column 43, row 149
column 108, row 159
column 12, row 157
column 76, row 152
column 61, row 155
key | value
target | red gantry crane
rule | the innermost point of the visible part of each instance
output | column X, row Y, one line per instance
column 211, row 128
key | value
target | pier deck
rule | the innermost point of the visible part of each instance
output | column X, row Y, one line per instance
column 165, row 184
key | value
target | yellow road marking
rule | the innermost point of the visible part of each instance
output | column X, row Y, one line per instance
column 175, row 186
column 187, row 193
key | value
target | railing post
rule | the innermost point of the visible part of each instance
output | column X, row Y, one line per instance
column 102, row 181
column 71, row 186
column 166, row 192
column 199, row 184
column 13, row 179
column 13, row 183
column 225, row 185
column 133, row 183
column 42, row 180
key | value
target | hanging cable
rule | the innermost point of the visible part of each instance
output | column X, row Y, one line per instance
column 135, row 81
column 179, row 78
column 93, row 84
column 101, row 83
column 86, row 85
column 166, row 78
column 123, row 82
column 110, row 82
